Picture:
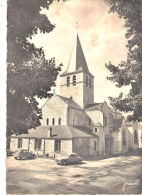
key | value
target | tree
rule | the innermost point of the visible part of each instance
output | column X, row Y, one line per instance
column 129, row 72
column 29, row 74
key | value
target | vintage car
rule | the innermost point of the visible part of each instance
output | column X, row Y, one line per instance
column 24, row 154
column 68, row 159
column 9, row 152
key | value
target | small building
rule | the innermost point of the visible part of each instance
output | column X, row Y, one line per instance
column 72, row 121
column 57, row 140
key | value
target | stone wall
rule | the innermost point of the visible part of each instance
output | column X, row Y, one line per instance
column 85, row 146
column 108, row 122
column 77, row 117
column 25, row 143
column 76, row 91
column 88, row 91
column 54, row 108
column 81, row 93
column 47, row 146
column 116, row 147
column 66, row 146
column 119, row 142
column 13, row 144
column 131, row 129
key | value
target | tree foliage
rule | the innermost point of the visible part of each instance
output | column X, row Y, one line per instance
column 129, row 72
column 29, row 74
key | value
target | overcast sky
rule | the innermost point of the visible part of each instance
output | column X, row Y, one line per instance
column 102, row 37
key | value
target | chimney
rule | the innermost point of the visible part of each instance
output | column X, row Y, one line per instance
column 50, row 132
column 71, row 97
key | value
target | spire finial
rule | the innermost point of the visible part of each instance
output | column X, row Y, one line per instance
column 76, row 26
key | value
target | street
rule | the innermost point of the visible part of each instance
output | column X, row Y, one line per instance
column 121, row 174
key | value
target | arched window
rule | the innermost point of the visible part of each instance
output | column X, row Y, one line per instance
column 95, row 146
column 68, row 81
column 86, row 80
column 47, row 121
column 59, row 121
column 124, row 137
column 89, row 121
column 135, row 137
column 53, row 121
column 74, row 80
column 105, row 120
column 90, row 82
column 96, row 129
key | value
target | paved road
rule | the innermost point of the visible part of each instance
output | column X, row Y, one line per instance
column 43, row 176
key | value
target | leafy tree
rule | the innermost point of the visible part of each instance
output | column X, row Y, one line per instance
column 29, row 74
column 129, row 72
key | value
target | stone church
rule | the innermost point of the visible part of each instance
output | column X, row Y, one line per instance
column 72, row 121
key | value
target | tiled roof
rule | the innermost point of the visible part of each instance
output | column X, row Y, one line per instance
column 60, row 131
column 77, row 61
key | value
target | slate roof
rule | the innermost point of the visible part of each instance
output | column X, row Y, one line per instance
column 70, row 102
column 59, row 132
column 77, row 59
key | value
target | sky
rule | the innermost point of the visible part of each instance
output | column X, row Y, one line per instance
column 102, row 37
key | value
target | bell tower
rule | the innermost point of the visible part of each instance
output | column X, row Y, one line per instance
column 77, row 82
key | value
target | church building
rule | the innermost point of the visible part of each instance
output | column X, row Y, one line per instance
column 72, row 122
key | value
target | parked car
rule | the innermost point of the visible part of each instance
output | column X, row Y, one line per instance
column 9, row 152
column 68, row 159
column 24, row 154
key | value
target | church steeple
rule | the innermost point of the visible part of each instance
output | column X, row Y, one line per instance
column 77, row 61
column 80, row 58
column 77, row 82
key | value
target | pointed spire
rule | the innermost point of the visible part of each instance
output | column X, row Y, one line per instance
column 77, row 61
column 80, row 58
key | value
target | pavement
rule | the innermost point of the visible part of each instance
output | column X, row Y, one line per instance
column 116, row 175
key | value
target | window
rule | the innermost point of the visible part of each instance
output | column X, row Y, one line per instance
column 53, row 121
column 124, row 137
column 73, row 121
column 57, row 145
column 89, row 121
column 95, row 146
column 47, row 121
column 59, row 121
column 90, row 82
column 19, row 142
column 37, row 144
column 73, row 156
column 96, row 129
column 68, row 81
column 86, row 80
column 135, row 137
column 105, row 121
column 74, row 80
